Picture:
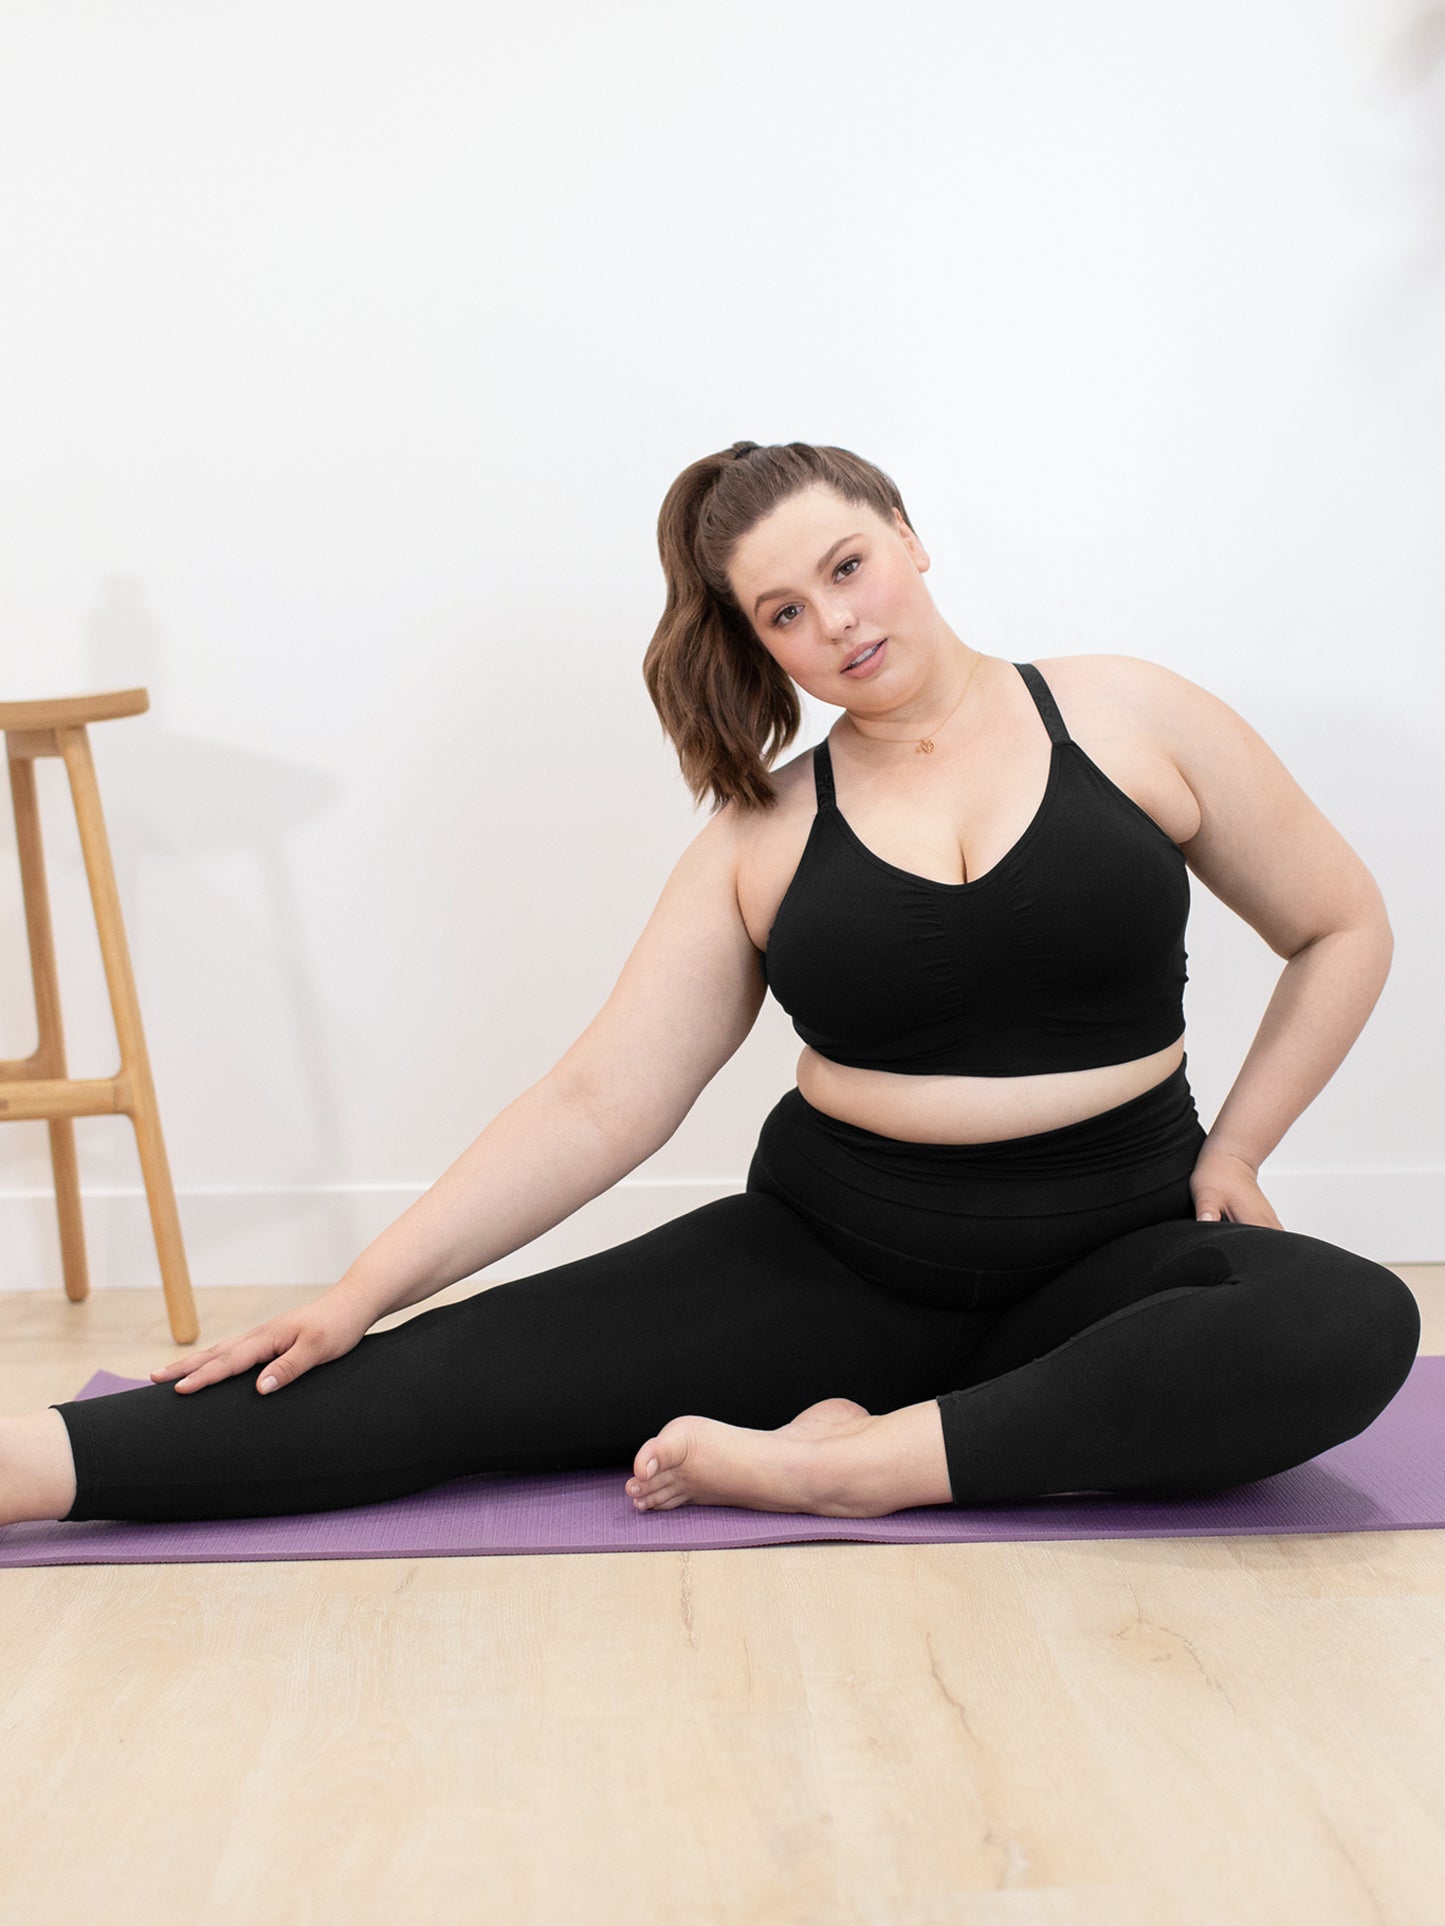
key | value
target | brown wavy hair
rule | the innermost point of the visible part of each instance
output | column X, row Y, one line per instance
column 724, row 703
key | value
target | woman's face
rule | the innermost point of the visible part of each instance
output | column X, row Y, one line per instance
column 820, row 579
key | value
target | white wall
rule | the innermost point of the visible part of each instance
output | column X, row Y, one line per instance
column 349, row 352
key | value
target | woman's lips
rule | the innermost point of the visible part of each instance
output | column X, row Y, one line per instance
column 863, row 670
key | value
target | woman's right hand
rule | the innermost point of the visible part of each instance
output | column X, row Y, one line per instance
column 288, row 1344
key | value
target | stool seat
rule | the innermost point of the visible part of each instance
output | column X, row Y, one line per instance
column 38, row 1086
column 71, row 712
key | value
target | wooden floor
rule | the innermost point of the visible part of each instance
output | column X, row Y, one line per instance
column 1210, row 1729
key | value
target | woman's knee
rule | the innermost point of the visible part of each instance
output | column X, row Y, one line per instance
column 1356, row 1319
column 1294, row 1310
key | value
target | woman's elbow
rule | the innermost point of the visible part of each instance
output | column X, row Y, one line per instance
column 1372, row 939
column 1363, row 924
column 1387, row 948
column 1377, row 921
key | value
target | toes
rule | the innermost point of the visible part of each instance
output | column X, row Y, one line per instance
column 658, row 1496
column 653, row 1488
column 663, row 1495
column 658, row 1481
column 650, row 1481
column 654, row 1484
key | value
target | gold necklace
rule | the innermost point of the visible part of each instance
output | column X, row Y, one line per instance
column 925, row 743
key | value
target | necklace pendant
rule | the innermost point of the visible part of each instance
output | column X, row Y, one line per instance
column 925, row 748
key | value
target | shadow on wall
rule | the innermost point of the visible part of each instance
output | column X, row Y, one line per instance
column 178, row 798
column 1410, row 78
column 1417, row 53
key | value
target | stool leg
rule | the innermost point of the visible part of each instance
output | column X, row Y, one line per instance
column 66, row 1167
column 49, row 1058
column 140, row 1097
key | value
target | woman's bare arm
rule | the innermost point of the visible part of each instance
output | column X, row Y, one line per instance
column 1267, row 851
column 537, row 1161
column 687, row 996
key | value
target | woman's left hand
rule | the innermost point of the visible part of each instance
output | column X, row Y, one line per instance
column 1224, row 1186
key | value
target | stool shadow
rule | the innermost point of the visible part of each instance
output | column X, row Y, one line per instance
column 169, row 799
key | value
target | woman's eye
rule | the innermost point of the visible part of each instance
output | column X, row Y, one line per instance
column 792, row 605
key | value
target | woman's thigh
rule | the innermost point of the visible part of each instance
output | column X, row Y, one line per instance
column 1184, row 1357
column 1117, row 1274
column 1294, row 1294
column 735, row 1310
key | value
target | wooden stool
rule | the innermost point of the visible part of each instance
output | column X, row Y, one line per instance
column 38, row 1086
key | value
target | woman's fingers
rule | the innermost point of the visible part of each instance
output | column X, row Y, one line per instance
column 212, row 1373
column 180, row 1366
column 223, row 1366
column 1236, row 1204
column 307, row 1349
column 288, row 1346
column 225, row 1360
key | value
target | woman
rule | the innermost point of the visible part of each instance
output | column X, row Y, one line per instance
column 986, row 1251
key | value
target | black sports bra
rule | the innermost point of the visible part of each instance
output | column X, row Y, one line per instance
column 1067, row 954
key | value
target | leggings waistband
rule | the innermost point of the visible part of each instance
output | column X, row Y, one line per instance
column 975, row 1226
column 1158, row 1127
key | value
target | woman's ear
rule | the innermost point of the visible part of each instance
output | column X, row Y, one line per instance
column 922, row 559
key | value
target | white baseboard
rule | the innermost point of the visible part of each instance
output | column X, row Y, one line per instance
column 296, row 1236
column 309, row 1235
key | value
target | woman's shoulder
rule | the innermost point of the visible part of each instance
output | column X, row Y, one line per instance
column 1122, row 692
column 1122, row 676
column 792, row 783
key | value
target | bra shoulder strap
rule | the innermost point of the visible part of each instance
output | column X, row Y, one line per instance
column 823, row 776
column 1044, row 701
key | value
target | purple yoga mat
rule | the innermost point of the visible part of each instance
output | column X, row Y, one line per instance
column 1390, row 1478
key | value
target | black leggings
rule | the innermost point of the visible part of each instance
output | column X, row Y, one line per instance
column 1079, row 1330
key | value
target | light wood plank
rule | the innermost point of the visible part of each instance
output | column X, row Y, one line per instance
column 1117, row 1732
column 70, row 712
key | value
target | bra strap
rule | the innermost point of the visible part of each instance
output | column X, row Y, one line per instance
column 1044, row 701
column 823, row 775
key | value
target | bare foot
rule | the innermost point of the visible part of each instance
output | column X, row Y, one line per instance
column 703, row 1461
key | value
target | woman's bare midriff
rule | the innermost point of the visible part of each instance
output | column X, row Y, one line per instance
column 971, row 1110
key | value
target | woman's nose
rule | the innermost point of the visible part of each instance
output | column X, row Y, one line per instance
column 837, row 619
